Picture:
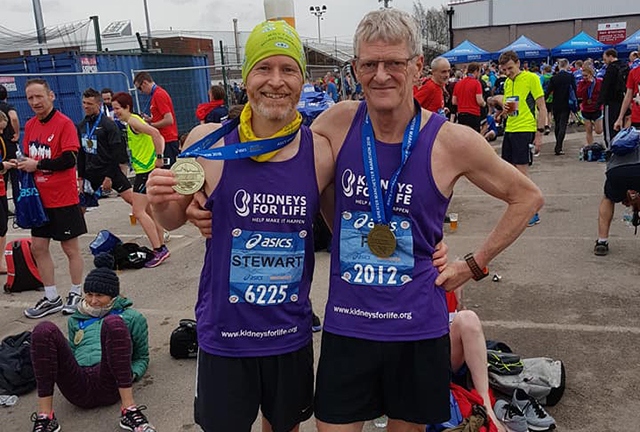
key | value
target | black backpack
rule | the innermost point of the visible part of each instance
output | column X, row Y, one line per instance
column 16, row 371
column 131, row 256
column 184, row 340
column 623, row 74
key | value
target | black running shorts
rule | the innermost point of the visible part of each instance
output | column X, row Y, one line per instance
column 619, row 180
column 140, row 183
column 230, row 390
column 65, row 223
column 359, row 380
column 119, row 181
column 515, row 147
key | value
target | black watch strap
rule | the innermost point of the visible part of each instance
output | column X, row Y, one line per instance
column 478, row 273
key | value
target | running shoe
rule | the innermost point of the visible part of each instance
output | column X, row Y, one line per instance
column 158, row 257
column 42, row 423
column 134, row 420
column 44, row 307
column 536, row 416
column 71, row 305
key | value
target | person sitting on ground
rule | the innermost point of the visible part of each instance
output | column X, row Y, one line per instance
column 107, row 349
column 488, row 128
column 469, row 347
column 214, row 111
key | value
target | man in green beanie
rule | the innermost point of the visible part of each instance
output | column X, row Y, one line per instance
column 253, row 309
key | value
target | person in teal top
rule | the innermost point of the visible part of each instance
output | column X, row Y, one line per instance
column 146, row 145
column 106, row 350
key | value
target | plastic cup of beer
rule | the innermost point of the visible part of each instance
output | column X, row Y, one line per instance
column 132, row 219
column 453, row 221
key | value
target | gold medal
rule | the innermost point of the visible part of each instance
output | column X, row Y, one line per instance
column 78, row 337
column 381, row 241
column 89, row 143
column 189, row 174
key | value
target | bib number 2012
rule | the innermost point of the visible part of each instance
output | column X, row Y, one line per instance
column 266, row 295
column 380, row 275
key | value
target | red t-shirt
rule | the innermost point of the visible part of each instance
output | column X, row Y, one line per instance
column 430, row 96
column 161, row 104
column 633, row 83
column 465, row 91
column 48, row 141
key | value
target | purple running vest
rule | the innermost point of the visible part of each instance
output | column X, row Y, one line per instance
column 253, row 298
column 392, row 299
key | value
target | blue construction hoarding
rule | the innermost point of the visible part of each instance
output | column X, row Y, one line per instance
column 70, row 73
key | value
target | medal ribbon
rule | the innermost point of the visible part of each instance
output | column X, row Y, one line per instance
column 86, row 323
column 257, row 147
column 95, row 125
column 381, row 206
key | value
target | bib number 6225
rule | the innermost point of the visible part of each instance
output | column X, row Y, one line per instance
column 266, row 295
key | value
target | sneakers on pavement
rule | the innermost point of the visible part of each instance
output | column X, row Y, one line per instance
column 510, row 416
column 71, row 305
column 158, row 257
column 547, row 130
column 166, row 236
column 537, row 418
column 134, row 420
column 44, row 307
column 535, row 220
column 42, row 423
column 601, row 248
column 316, row 325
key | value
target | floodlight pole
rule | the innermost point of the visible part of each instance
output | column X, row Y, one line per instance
column 96, row 30
column 146, row 16
column 318, row 11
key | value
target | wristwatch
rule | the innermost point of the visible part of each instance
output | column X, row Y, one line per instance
column 478, row 273
column 540, row 130
column 159, row 156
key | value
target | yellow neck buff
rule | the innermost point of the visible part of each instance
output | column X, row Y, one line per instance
column 246, row 132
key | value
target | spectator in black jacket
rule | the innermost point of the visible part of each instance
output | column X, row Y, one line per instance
column 560, row 85
column 610, row 95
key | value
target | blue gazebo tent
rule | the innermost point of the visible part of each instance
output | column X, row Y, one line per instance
column 581, row 45
column 632, row 43
column 526, row 49
column 467, row 52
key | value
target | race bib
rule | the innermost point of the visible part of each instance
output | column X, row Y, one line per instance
column 90, row 145
column 266, row 267
column 359, row 266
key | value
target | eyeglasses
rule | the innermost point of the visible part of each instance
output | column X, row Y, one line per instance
column 390, row 65
column 139, row 87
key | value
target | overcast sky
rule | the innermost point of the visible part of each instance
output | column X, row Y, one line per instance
column 339, row 21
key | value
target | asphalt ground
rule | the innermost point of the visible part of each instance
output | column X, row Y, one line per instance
column 555, row 299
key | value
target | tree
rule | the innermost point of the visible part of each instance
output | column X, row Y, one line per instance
column 434, row 28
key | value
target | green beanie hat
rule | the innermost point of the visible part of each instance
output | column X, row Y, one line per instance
column 271, row 38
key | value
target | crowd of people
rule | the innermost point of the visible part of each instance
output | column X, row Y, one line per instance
column 388, row 344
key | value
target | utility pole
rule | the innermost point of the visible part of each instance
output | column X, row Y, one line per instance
column 146, row 17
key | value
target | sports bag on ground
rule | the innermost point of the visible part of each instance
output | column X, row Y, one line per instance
column 542, row 378
column 22, row 272
column 16, row 371
column 131, row 256
column 105, row 241
column 184, row 340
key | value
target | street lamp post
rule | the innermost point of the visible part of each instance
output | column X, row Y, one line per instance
column 318, row 11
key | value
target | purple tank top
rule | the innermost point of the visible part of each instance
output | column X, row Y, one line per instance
column 253, row 298
column 395, row 298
